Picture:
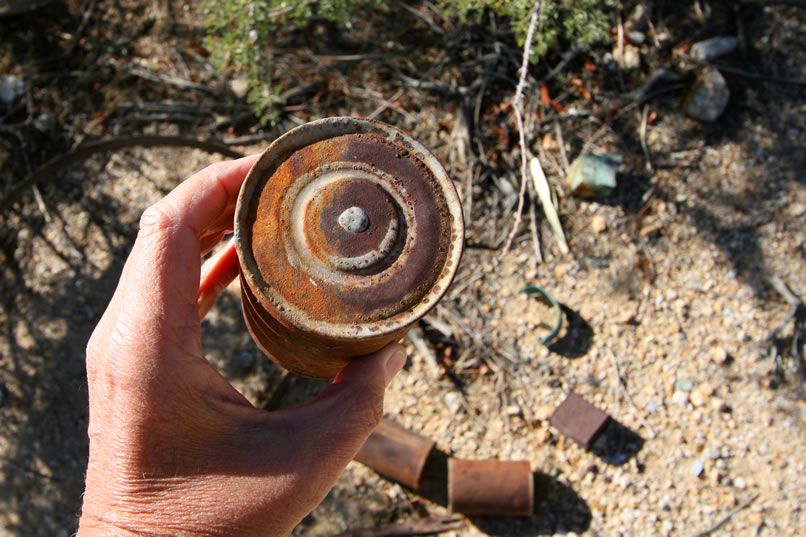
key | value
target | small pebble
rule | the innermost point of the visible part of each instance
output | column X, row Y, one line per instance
column 697, row 398
column 697, row 469
column 680, row 397
column 740, row 483
column 709, row 97
column 684, row 385
column 599, row 224
column 636, row 38
column 240, row 87
column 453, row 401
column 630, row 60
column 713, row 48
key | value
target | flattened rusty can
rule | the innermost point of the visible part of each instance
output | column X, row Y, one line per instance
column 579, row 419
column 490, row 488
column 347, row 231
column 397, row 453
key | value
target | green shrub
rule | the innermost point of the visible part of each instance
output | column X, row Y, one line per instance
column 581, row 21
column 240, row 30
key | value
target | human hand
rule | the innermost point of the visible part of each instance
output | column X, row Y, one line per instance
column 174, row 448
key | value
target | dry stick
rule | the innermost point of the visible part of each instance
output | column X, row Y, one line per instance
column 83, row 152
column 390, row 104
column 146, row 74
column 621, row 384
column 778, row 284
column 286, row 379
column 795, row 3
column 644, row 146
column 426, row 526
column 795, row 306
column 561, row 143
column 620, row 41
column 87, row 8
column 650, row 24
column 425, row 18
column 384, row 104
column 794, row 81
column 431, row 360
column 40, row 202
column 535, row 236
column 516, row 106
column 721, row 522
column 621, row 111
column 473, row 173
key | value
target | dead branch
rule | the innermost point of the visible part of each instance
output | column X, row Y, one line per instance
column 82, row 152
column 721, row 522
column 794, row 3
column 516, row 106
column 620, row 383
column 425, row 526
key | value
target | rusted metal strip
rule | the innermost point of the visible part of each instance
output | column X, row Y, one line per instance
column 579, row 420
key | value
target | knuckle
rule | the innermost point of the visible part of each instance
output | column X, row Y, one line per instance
column 93, row 355
column 155, row 219
column 368, row 409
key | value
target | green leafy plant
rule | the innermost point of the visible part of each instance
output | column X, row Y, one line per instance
column 239, row 31
column 581, row 21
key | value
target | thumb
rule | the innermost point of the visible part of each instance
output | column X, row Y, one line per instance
column 334, row 426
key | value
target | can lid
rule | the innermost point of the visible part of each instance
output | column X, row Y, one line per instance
column 348, row 228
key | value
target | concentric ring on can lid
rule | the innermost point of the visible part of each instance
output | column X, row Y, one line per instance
column 348, row 228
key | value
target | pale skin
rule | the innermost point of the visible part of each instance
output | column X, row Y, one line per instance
column 174, row 448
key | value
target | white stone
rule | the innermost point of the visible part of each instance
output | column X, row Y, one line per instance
column 697, row 468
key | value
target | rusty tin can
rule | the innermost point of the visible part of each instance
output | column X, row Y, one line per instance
column 347, row 231
column 397, row 453
column 490, row 488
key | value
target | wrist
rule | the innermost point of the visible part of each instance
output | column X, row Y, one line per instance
column 146, row 508
column 108, row 511
column 90, row 527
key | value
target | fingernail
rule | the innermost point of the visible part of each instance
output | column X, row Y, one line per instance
column 394, row 363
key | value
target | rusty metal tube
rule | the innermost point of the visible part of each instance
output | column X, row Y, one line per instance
column 490, row 487
column 397, row 453
column 347, row 231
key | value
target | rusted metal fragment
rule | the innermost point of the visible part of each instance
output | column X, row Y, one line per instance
column 347, row 232
column 490, row 488
column 397, row 453
column 579, row 420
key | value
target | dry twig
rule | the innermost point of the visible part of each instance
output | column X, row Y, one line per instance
column 84, row 151
column 558, row 131
column 286, row 379
column 721, row 522
column 516, row 106
column 644, row 146
column 425, row 526
column 623, row 385
column 431, row 360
